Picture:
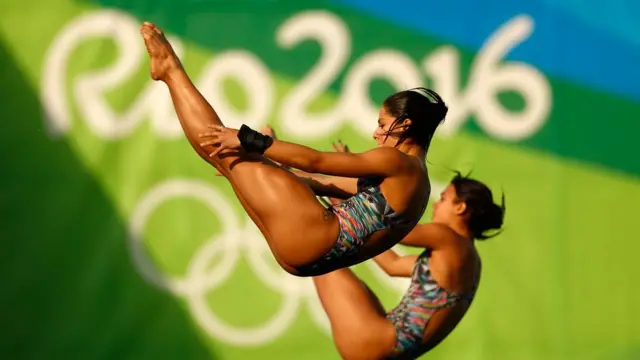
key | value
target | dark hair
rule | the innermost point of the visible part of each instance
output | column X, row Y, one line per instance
column 484, row 214
column 424, row 107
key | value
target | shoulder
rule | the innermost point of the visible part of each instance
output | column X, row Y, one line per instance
column 440, row 235
column 436, row 229
column 385, row 151
column 389, row 155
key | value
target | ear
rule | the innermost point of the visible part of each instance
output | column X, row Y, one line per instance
column 406, row 122
column 459, row 207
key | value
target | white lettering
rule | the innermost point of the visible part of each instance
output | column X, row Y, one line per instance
column 334, row 38
column 488, row 77
column 394, row 66
column 249, row 71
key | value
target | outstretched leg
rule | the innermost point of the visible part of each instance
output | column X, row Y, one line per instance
column 299, row 230
column 360, row 329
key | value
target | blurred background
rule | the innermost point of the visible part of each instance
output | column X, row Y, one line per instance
column 118, row 242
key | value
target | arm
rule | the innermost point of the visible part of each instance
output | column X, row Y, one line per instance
column 396, row 265
column 377, row 162
column 331, row 186
column 381, row 161
column 326, row 186
column 429, row 236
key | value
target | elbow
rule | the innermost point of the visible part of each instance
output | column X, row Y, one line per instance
column 399, row 269
column 393, row 272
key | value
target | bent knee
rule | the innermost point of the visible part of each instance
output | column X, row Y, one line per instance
column 364, row 343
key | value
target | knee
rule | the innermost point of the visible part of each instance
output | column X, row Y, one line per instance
column 356, row 345
column 360, row 340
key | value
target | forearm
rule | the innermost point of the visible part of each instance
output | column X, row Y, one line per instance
column 294, row 155
column 395, row 265
column 330, row 186
column 386, row 261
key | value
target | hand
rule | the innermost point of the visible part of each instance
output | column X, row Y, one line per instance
column 340, row 147
column 222, row 137
column 268, row 130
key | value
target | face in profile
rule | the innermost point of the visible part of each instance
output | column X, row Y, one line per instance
column 447, row 206
column 385, row 126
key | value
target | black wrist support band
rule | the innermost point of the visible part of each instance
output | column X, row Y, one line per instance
column 253, row 141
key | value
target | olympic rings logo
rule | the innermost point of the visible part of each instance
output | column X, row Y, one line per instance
column 233, row 242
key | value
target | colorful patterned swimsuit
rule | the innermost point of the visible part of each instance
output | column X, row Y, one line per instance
column 419, row 303
column 360, row 216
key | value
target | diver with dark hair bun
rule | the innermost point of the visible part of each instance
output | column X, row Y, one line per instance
column 444, row 276
column 386, row 189
column 444, row 280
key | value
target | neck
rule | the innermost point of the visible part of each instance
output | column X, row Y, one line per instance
column 458, row 226
column 412, row 149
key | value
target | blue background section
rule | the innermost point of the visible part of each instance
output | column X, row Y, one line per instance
column 597, row 47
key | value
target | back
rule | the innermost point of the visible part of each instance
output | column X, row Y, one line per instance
column 431, row 308
column 369, row 223
column 408, row 193
column 405, row 198
column 458, row 270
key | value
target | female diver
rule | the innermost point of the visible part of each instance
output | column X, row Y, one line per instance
column 307, row 239
column 444, row 280
column 444, row 277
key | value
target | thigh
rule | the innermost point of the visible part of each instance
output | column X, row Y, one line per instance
column 358, row 319
column 299, row 228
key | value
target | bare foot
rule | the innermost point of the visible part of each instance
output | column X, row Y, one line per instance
column 163, row 59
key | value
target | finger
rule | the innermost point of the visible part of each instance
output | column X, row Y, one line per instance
column 210, row 143
column 345, row 148
column 215, row 126
column 266, row 129
column 335, row 148
column 217, row 151
column 209, row 134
